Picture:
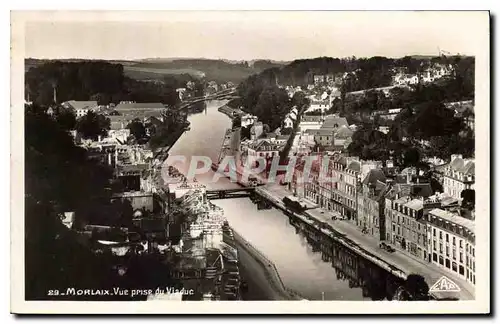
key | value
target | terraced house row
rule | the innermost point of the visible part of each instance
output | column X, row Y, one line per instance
column 399, row 207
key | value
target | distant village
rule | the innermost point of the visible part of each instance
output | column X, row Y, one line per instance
column 393, row 205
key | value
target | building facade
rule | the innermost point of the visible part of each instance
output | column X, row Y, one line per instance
column 371, row 204
column 451, row 239
column 458, row 175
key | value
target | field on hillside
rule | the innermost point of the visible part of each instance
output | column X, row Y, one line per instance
column 213, row 70
column 144, row 73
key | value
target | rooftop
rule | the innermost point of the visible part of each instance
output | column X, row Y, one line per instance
column 81, row 104
column 463, row 165
column 453, row 218
column 334, row 122
column 139, row 106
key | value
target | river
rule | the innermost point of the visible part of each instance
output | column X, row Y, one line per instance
column 300, row 268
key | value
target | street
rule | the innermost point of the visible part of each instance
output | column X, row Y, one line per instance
column 405, row 262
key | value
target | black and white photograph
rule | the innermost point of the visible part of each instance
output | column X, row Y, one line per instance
column 270, row 158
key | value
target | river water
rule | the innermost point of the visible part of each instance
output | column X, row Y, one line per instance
column 300, row 268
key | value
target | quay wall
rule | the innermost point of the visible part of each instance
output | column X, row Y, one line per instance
column 269, row 268
column 381, row 263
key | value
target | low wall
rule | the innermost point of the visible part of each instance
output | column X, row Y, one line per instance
column 269, row 268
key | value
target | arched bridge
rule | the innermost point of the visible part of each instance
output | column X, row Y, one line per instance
column 230, row 193
column 223, row 94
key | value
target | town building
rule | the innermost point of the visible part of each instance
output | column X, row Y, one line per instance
column 311, row 122
column 346, row 172
column 256, row 130
column 248, row 120
column 319, row 105
column 404, row 217
column 266, row 148
column 290, row 118
column 458, row 175
column 371, row 204
column 451, row 239
column 81, row 108
column 463, row 110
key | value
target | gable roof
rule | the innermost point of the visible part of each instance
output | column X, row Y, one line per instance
column 343, row 132
column 81, row 104
column 311, row 119
column 373, row 176
column 354, row 166
column 334, row 122
column 413, row 189
column 461, row 165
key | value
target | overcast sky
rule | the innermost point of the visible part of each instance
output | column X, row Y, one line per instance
column 251, row 35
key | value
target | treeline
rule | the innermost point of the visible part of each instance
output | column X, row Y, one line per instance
column 363, row 73
column 424, row 130
column 60, row 177
column 97, row 80
column 447, row 90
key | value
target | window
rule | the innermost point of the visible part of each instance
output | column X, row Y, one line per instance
column 433, row 232
column 454, row 254
column 461, row 270
column 434, row 244
column 454, row 266
column 461, row 243
column 440, row 247
column 393, row 227
column 434, row 257
column 440, row 235
column 447, row 263
column 447, row 251
column 454, row 243
column 461, row 257
column 473, row 252
column 447, row 238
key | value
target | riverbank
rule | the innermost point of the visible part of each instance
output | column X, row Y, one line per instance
column 230, row 112
column 397, row 263
column 268, row 272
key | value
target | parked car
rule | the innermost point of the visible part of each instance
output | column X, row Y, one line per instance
column 386, row 247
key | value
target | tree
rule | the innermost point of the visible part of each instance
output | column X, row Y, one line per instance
column 59, row 177
column 137, row 129
column 93, row 125
column 468, row 198
column 245, row 132
column 416, row 287
column 236, row 122
column 66, row 119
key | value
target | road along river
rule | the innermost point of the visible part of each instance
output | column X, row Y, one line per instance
column 300, row 269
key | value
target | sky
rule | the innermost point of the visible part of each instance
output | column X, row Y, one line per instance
column 239, row 35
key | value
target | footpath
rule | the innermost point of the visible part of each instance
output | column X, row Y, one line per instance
column 408, row 264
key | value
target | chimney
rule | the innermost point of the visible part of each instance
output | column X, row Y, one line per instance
column 55, row 95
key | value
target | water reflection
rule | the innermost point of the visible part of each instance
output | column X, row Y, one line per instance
column 315, row 270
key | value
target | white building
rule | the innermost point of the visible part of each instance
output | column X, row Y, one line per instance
column 322, row 104
column 458, row 176
column 81, row 108
column 248, row 119
column 311, row 122
column 290, row 118
column 452, row 242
